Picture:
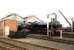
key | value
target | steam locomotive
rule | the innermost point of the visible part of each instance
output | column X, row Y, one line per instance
column 34, row 28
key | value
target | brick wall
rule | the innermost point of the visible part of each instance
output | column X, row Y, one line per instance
column 12, row 24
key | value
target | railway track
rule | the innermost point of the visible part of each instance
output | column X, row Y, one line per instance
column 16, row 45
column 44, row 37
column 8, row 46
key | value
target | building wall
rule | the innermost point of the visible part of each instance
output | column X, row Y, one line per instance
column 1, row 28
column 11, row 21
column 14, row 17
column 12, row 24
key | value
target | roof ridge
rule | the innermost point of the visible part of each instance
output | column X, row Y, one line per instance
column 11, row 15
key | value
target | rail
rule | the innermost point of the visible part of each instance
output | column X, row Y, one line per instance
column 8, row 46
column 24, row 46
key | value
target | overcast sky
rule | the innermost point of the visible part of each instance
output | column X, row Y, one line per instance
column 39, row 8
